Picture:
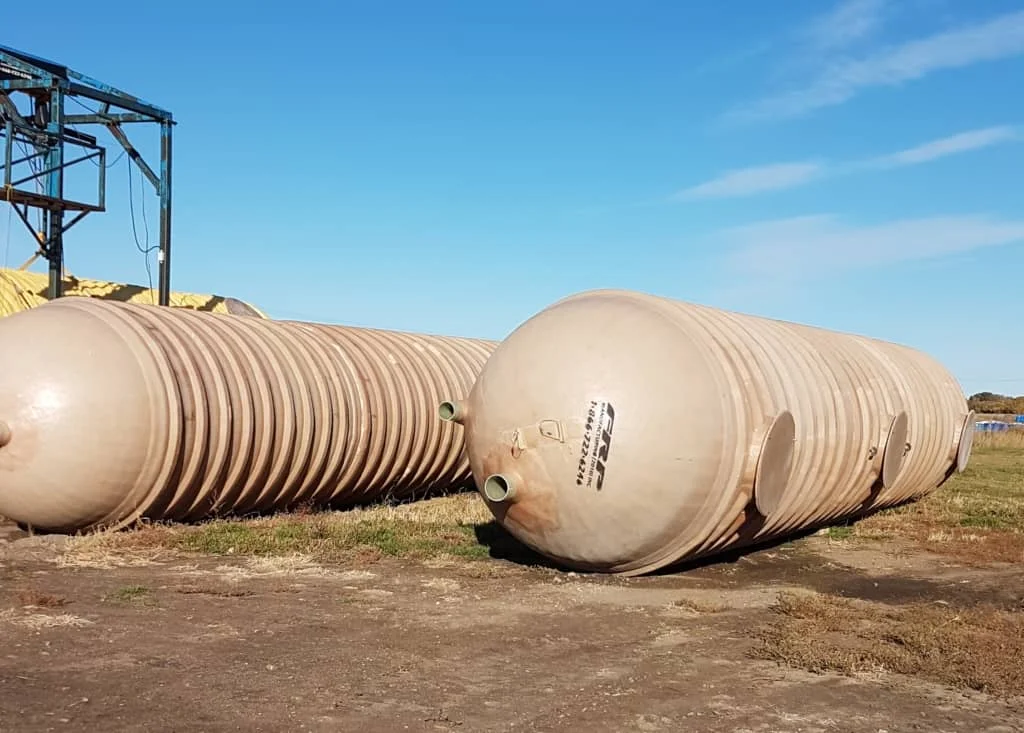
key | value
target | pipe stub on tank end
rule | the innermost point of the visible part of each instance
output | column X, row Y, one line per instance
column 499, row 488
column 5, row 433
column 452, row 411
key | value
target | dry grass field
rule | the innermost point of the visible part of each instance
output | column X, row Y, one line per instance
column 426, row 617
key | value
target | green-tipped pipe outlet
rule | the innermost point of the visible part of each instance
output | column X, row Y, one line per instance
column 5, row 434
column 498, row 488
column 452, row 411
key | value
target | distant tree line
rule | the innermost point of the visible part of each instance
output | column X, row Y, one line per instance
column 992, row 403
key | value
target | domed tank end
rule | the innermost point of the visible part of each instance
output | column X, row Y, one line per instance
column 498, row 488
column 5, row 433
column 452, row 411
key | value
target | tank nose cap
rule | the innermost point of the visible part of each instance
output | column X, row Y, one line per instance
column 5, row 434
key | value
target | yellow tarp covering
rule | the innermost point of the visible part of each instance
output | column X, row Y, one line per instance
column 21, row 290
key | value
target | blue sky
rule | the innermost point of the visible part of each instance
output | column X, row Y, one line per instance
column 454, row 167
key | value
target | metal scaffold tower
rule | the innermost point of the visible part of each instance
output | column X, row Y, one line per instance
column 41, row 135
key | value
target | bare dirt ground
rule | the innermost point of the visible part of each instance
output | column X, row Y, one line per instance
column 412, row 619
column 274, row 644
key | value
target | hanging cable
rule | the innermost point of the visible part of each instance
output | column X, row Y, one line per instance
column 7, row 245
column 135, row 232
column 37, row 171
column 86, row 107
column 147, row 249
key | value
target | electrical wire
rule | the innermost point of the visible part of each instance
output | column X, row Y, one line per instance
column 7, row 245
column 37, row 170
column 131, row 199
column 86, row 107
column 135, row 232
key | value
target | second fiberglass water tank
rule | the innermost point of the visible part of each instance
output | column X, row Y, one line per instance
column 621, row 432
column 111, row 412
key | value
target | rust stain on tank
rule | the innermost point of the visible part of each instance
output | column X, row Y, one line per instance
column 534, row 509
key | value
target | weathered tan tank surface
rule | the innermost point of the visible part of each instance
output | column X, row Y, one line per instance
column 621, row 432
column 114, row 411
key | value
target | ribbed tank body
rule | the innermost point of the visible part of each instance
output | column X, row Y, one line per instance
column 117, row 411
column 638, row 432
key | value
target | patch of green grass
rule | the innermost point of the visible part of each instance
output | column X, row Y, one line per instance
column 841, row 532
column 130, row 594
column 324, row 539
column 990, row 493
column 446, row 527
column 977, row 515
column 992, row 517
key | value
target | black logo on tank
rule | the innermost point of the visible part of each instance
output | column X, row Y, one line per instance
column 597, row 442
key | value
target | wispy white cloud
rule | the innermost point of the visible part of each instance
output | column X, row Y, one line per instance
column 747, row 181
column 962, row 142
column 997, row 38
column 781, row 176
column 810, row 246
column 848, row 22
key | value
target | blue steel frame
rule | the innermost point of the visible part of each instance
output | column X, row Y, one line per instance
column 46, row 130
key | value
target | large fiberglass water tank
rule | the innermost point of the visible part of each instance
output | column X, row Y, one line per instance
column 622, row 432
column 111, row 412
